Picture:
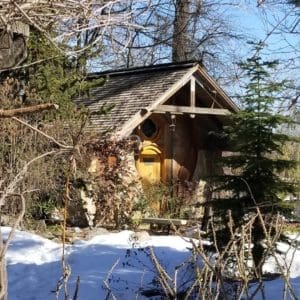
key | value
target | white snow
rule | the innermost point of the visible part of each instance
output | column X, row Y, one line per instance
column 34, row 265
column 289, row 259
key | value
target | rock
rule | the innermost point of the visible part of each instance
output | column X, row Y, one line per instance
column 41, row 226
column 56, row 216
column 194, row 232
column 88, row 203
column 7, row 220
column 138, row 237
column 96, row 231
column 136, row 217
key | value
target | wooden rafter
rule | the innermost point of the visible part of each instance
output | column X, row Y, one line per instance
column 191, row 110
column 213, row 99
column 144, row 113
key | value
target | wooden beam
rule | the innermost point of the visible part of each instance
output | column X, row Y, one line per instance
column 216, row 87
column 214, row 99
column 191, row 110
column 162, row 221
column 193, row 94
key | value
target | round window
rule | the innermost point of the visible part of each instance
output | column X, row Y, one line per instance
column 148, row 128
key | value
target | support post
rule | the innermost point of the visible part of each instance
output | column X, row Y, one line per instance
column 193, row 95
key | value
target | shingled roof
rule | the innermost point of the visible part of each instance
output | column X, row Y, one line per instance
column 128, row 91
column 132, row 90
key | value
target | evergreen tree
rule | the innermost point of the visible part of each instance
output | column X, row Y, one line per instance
column 57, row 78
column 254, row 140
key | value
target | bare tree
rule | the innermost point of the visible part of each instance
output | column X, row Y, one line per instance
column 71, row 27
column 25, row 150
column 196, row 30
column 281, row 26
column 12, row 189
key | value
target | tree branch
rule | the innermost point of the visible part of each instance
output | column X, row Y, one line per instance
column 43, row 134
column 11, row 187
column 26, row 110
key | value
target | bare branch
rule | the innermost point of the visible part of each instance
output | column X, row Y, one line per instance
column 27, row 110
column 10, row 189
column 63, row 146
column 106, row 281
column 15, row 226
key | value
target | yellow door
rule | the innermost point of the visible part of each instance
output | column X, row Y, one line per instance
column 149, row 164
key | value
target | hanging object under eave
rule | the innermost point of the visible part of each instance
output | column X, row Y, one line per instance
column 13, row 44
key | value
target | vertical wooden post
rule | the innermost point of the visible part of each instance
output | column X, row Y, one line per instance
column 172, row 131
column 193, row 94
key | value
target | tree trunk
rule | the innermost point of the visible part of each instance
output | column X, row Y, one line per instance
column 3, row 271
column 181, row 42
column 258, row 250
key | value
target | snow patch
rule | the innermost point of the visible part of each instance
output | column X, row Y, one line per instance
column 34, row 265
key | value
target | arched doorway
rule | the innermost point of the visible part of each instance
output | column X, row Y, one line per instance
column 149, row 164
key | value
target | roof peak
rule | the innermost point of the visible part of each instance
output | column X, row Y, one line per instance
column 150, row 68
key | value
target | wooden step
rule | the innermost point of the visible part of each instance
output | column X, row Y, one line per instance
column 165, row 221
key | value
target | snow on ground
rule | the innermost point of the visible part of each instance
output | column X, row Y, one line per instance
column 34, row 265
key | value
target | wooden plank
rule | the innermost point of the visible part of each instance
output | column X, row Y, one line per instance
column 193, row 92
column 191, row 110
column 161, row 221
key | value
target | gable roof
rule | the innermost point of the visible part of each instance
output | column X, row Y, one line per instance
column 132, row 90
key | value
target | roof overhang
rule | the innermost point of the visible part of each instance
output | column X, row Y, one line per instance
column 144, row 113
column 198, row 77
column 213, row 89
